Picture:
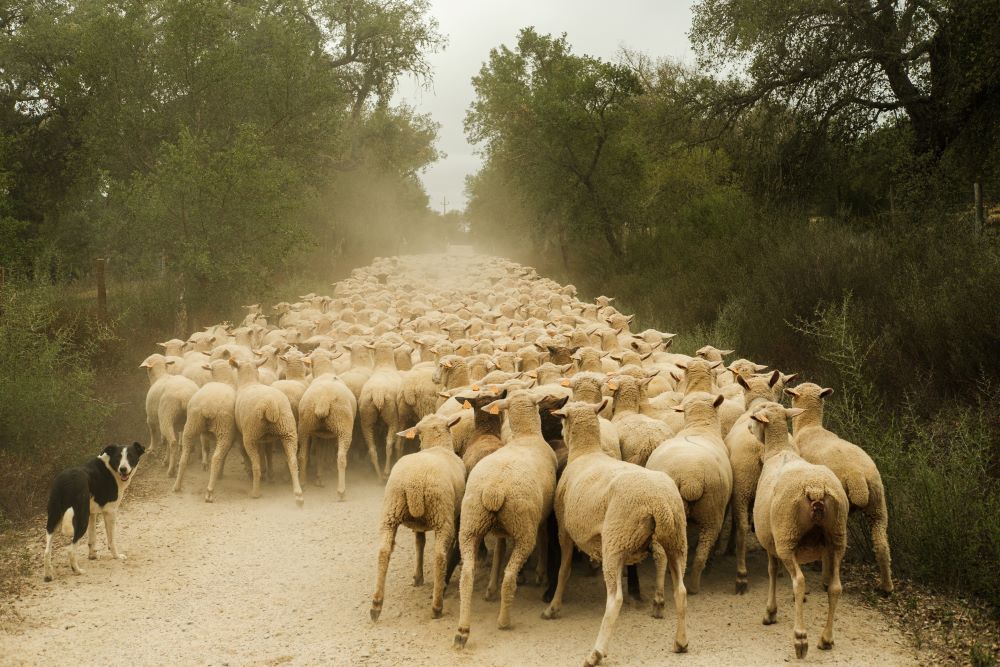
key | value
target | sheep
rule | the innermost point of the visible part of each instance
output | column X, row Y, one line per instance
column 800, row 516
column 424, row 493
column 639, row 434
column 263, row 411
column 156, row 366
column 745, row 453
column 485, row 436
column 327, row 411
column 360, row 369
column 509, row 493
column 617, row 513
column 852, row 466
column 211, row 410
column 176, row 392
column 379, row 404
column 697, row 460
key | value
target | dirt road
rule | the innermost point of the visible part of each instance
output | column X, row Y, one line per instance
column 262, row 582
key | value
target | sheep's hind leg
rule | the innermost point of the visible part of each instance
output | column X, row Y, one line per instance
column 254, row 455
column 499, row 551
column 878, row 522
column 224, row 442
column 384, row 554
column 613, row 564
column 771, row 612
column 443, row 540
column 741, row 528
column 799, row 590
column 420, row 540
column 833, row 596
column 676, row 563
column 343, row 447
column 186, row 444
column 707, row 535
column 565, row 566
column 518, row 555
column 660, row 563
column 290, row 444
column 469, row 545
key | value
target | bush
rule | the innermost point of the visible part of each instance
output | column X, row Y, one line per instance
column 50, row 417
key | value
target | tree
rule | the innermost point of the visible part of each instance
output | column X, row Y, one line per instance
column 851, row 62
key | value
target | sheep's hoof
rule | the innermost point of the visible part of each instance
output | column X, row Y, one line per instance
column 548, row 595
column 341, row 496
column 824, row 645
column 376, row 611
column 299, row 500
column 78, row 571
column 770, row 617
column 255, row 494
column 882, row 592
column 549, row 613
column 92, row 555
column 490, row 596
column 461, row 638
column 418, row 581
column 741, row 585
column 680, row 648
column 658, row 609
column 318, row 482
column 594, row 659
column 436, row 612
column 801, row 645
column 48, row 577
column 122, row 557
column 209, row 498
column 177, row 488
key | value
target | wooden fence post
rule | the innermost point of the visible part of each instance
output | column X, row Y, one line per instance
column 102, row 293
column 977, row 196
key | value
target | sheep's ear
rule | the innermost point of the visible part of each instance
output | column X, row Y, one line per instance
column 260, row 362
column 617, row 357
column 630, row 318
column 409, row 433
column 171, row 362
column 599, row 407
column 495, row 407
column 447, row 363
column 792, row 392
column 645, row 356
column 826, row 392
column 531, row 373
column 678, row 408
column 466, row 401
column 226, row 354
column 558, row 412
column 667, row 342
column 232, row 362
column 775, row 376
column 369, row 346
column 162, row 344
column 718, row 401
column 645, row 381
column 634, row 345
column 565, row 382
column 675, row 376
column 566, row 367
column 681, row 365
column 726, row 352
column 715, row 364
column 454, row 420
column 760, row 367
column 793, row 412
column 207, row 367
column 653, row 374
column 743, row 383
column 612, row 385
column 444, row 394
column 788, row 378
column 760, row 417
column 561, row 403
column 541, row 347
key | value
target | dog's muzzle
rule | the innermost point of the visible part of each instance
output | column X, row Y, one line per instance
column 124, row 474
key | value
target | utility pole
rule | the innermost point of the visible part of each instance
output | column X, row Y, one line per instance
column 444, row 205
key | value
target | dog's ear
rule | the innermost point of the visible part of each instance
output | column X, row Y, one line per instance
column 109, row 451
column 139, row 448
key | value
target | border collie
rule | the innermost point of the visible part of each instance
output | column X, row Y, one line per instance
column 79, row 494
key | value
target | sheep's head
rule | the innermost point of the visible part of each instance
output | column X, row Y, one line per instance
column 809, row 396
column 771, row 418
column 580, row 418
column 447, row 366
column 713, row 353
column 522, row 410
column 700, row 373
column 759, row 386
column 700, row 407
column 433, row 431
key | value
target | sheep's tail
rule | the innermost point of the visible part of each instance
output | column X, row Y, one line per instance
column 378, row 397
column 493, row 498
column 414, row 501
column 815, row 495
column 857, row 488
column 664, row 524
column 322, row 407
column 691, row 489
column 272, row 413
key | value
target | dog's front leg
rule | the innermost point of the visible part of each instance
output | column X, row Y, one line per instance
column 92, row 537
column 109, row 526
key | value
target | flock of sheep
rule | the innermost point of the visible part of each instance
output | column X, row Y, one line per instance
column 545, row 425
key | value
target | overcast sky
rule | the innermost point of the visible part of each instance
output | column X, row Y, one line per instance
column 595, row 27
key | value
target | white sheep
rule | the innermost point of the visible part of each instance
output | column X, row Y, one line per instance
column 509, row 493
column 211, row 411
column 424, row 493
column 327, row 411
column 638, row 434
column 379, row 405
column 800, row 516
column 852, row 466
column 696, row 459
column 617, row 513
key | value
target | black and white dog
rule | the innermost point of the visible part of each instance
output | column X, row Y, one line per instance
column 78, row 495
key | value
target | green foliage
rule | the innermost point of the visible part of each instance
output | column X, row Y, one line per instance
column 50, row 416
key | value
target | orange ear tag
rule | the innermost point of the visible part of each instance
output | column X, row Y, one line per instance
column 467, row 405
column 565, row 382
column 613, row 386
column 495, row 410
column 411, row 434
column 475, row 387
